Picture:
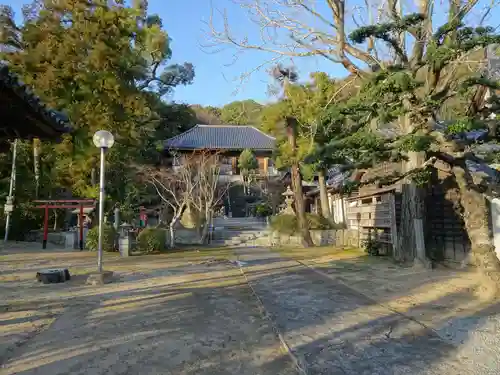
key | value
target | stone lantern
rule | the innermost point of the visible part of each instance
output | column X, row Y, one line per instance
column 288, row 210
column 125, row 239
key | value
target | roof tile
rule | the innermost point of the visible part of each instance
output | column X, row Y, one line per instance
column 228, row 137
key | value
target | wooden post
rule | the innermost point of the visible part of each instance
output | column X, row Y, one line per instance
column 81, row 226
column 45, row 227
column 394, row 227
column 234, row 165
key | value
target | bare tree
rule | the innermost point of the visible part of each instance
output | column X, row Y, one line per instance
column 175, row 187
column 210, row 188
column 300, row 28
column 305, row 28
column 310, row 28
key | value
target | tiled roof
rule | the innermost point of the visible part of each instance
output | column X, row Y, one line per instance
column 226, row 137
column 56, row 120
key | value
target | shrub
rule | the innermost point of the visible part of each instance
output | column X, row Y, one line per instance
column 317, row 222
column 108, row 238
column 263, row 210
column 288, row 224
column 150, row 240
column 372, row 247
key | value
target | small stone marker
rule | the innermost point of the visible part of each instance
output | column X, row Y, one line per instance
column 53, row 276
column 100, row 278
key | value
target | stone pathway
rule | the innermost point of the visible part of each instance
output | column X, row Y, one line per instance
column 332, row 329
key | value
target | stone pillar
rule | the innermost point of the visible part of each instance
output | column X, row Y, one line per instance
column 71, row 240
column 125, row 240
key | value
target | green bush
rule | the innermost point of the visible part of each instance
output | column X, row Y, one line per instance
column 317, row 222
column 150, row 240
column 287, row 224
column 108, row 238
column 263, row 210
column 372, row 247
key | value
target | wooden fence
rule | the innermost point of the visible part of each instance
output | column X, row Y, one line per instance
column 375, row 218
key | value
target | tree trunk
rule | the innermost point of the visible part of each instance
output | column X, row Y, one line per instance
column 172, row 235
column 206, row 227
column 171, row 226
column 297, row 186
column 55, row 219
column 93, row 176
column 411, row 244
column 323, row 194
column 476, row 217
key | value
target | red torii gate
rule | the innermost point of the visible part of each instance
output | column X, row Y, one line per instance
column 59, row 203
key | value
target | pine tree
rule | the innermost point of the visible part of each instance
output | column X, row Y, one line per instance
column 412, row 98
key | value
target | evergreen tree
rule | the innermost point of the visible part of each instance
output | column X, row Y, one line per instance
column 248, row 164
column 245, row 112
column 410, row 100
column 100, row 62
column 307, row 103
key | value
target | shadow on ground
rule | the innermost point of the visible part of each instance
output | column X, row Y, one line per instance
column 203, row 319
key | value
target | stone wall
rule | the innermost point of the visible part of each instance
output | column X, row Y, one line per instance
column 68, row 240
column 336, row 237
column 184, row 236
column 339, row 237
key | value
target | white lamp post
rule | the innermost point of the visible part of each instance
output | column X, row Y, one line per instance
column 104, row 140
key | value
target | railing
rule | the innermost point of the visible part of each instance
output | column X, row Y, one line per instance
column 227, row 170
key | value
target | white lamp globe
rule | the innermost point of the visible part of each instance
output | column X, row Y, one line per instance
column 103, row 139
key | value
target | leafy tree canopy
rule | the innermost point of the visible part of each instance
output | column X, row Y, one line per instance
column 399, row 109
column 104, row 64
column 207, row 115
column 245, row 112
column 247, row 161
column 305, row 103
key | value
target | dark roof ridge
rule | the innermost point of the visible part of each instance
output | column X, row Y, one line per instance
column 232, row 126
column 238, row 137
column 181, row 134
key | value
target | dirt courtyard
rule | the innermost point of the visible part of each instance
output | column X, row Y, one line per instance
column 165, row 314
column 242, row 311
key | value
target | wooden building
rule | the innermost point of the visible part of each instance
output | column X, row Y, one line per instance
column 375, row 212
column 23, row 115
column 228, row 141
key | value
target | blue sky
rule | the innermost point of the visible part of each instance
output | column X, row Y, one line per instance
column 216, row 81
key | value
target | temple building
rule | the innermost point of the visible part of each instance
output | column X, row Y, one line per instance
column 228, row 141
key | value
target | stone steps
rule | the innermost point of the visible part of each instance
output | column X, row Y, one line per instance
column 246, row 237
column 240, row 231
column 239, row 222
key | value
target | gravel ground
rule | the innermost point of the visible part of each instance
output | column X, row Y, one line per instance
column 332, row 328
column 160, row 316
column 193, row 313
